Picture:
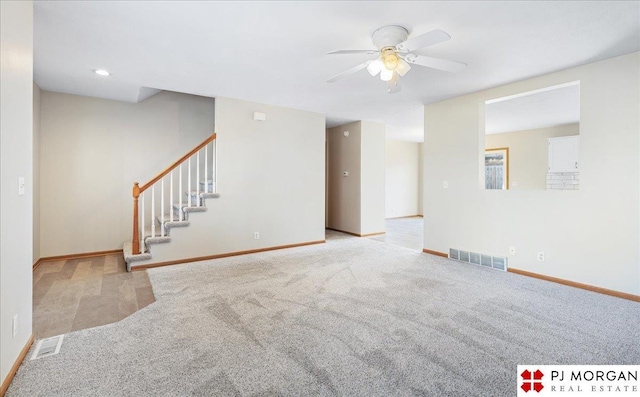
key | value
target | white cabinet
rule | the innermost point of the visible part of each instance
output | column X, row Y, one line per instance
column 564, row 153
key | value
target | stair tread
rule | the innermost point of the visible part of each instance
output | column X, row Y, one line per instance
column 202, row 194
column 129, row 257
column 193, row 208
column 176, row 222
column 157, row 239
column 167, row 219
column 200, row 208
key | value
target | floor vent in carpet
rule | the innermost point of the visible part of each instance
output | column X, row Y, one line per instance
column 48, row 347
column 494, row 262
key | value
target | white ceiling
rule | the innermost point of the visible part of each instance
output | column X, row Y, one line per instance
column 529, row 111
column 275, row 52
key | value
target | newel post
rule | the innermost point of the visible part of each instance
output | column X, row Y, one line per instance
column 135, row 249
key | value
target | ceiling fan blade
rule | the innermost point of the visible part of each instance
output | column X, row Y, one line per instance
column 347, row 52
column 424, row 40
column 435, row 63
column 349, row 71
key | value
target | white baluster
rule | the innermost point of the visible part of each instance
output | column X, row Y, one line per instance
column 142, row 224
column 189, row 183
column 198, row 177
column 153, row 210
column 161, row 207
column 171, row 196
column 180, row 199
column 206, row 175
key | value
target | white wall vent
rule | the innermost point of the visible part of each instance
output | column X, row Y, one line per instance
column 47, row 347
column 494, row 262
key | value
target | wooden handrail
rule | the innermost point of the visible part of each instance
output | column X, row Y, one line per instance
column 137, row 190
column 177, row 163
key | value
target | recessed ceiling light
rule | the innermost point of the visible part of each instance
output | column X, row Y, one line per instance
column 101, row 72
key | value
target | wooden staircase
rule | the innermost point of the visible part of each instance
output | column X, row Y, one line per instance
column 154, row 215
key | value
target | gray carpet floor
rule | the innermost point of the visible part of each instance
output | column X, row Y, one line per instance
column 352, row 317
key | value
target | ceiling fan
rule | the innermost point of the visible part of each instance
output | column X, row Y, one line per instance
column 395, row 55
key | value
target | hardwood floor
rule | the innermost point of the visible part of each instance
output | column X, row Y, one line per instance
column 75, row 294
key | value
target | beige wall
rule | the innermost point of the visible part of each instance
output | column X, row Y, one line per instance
column 589, row 236
column 356, row 202
column 528, row 153
column 271, row 178
column 372, row 189
column 92, row 150
column 420, row 178
column 36, row 172
column 402, row 172
column 344, row 153
column 16, row 157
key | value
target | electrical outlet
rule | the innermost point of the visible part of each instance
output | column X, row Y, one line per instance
column 445, row 184
column 256, row 235
column 15, row 325
column 512, row 250
column 541, row 256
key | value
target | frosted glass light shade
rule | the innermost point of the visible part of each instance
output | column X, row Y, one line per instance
column 375, row 67
column 403, row 67
column 391, row 61
column 386, row 75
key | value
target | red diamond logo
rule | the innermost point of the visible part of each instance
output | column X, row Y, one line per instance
column 532, row 380
column 538, row 375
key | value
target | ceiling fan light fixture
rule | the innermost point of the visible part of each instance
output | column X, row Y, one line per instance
column 390, row 59
column 391, row 62
column 395, row 50
column 375, row 67
column 403, row 67
column 386, row 74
